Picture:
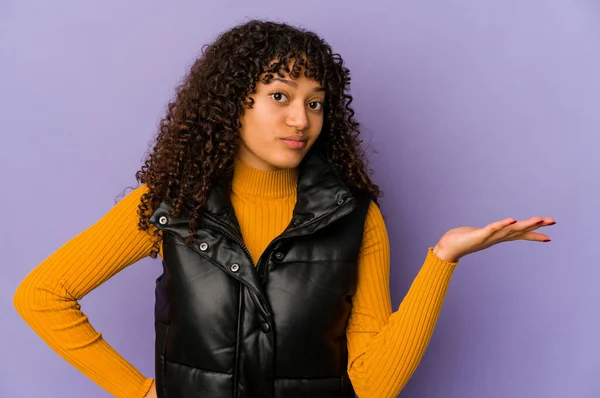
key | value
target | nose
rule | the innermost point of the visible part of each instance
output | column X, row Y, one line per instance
column 297, row 117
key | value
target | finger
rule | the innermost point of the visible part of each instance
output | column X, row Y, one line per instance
column 499, row 225
column 510, row 228
column 531, row 236
column 543, row 222
column 513, row 230
column 526, row 225
column 548, row 221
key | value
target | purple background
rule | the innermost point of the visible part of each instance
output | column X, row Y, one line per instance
column 477, row 110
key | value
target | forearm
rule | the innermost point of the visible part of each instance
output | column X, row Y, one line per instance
column 67, row 330
column 391, row 356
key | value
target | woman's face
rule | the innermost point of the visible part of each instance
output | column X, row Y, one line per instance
column 283, row 123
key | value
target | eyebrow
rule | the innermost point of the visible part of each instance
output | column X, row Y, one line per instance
column 295, row 85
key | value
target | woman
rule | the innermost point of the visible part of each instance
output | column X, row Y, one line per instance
column 276, row 258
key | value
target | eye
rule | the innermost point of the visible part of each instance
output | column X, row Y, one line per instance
column 316, row 105
column 278, row 96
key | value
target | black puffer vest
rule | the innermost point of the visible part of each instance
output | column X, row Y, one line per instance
column 228, row 329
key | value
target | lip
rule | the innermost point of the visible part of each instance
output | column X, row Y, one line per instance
column 294, row 142
column 294, row 138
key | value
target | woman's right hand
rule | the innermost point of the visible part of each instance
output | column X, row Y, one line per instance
column 152, row 392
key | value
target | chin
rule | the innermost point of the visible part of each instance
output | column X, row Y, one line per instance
column 287, row 162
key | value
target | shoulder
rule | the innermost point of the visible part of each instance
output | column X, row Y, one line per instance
column 133, row 194
column 374, row 219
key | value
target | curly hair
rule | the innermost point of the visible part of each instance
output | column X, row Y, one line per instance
column 198, row 137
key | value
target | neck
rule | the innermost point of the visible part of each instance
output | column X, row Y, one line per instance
column 250, row 181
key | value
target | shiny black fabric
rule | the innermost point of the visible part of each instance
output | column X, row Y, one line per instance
column 225, row 329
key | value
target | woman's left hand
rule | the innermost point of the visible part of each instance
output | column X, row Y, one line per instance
column 459, row 242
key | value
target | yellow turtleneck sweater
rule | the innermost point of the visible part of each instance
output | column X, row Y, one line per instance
column 384, row 348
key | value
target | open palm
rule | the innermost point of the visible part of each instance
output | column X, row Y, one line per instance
column 459, row 242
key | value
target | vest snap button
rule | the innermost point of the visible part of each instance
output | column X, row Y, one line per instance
column 340, row 202
column 203, row 246
column 234, row 267
column 279, row 255
column 265, row 327
column 163, row 220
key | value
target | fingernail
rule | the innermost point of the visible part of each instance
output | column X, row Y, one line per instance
column 552, row 223
column 546, row 240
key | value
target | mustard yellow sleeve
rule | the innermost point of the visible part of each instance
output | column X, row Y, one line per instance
column 47, row 299
column 385, row 348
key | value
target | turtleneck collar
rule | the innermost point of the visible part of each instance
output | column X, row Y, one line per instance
column 248, row 181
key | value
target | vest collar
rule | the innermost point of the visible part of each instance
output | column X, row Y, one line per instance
column 320, row 191
column 322, row 198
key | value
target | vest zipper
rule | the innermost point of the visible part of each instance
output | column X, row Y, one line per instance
column 260, row 268
column 232, row 237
